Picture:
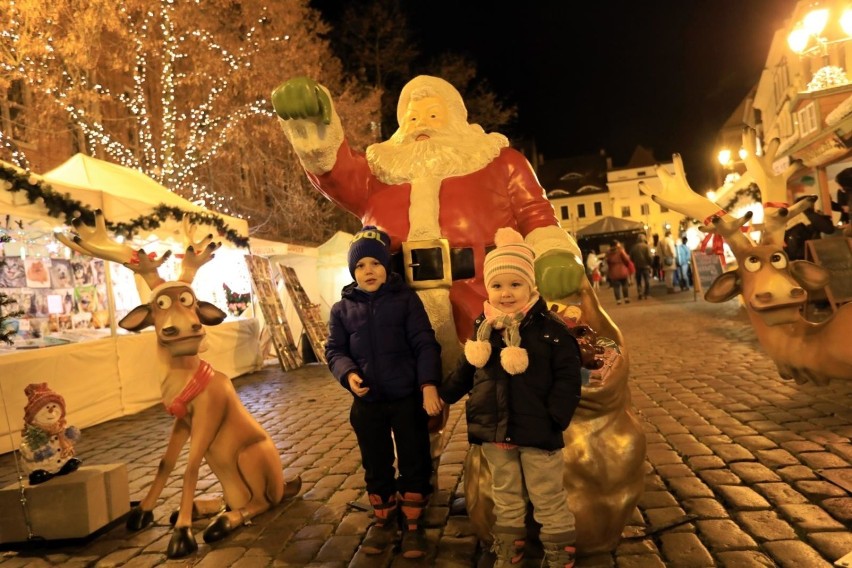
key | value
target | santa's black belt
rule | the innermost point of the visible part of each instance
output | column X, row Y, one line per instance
column 433, row 263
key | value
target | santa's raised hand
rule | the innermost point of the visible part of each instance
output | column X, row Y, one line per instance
column 302, row 98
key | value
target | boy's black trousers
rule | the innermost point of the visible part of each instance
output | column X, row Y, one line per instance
column 373, row 423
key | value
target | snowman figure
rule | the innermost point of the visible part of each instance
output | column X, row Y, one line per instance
column 48, row 443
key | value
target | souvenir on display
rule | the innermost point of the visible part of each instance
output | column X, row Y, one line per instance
column 773, row 288
column 47, row 445
column 207, row 410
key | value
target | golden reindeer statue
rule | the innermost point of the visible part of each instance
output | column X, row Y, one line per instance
column 207, row 409
column 773, row 288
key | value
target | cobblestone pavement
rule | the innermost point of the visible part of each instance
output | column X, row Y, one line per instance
column 756, row 465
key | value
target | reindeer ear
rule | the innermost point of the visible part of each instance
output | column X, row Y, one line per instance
column 810, row 276
column 138, row 319
column 723, row 288
column 208, row 314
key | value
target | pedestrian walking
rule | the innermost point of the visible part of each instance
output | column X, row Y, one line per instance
column 668, row 254
column 522, row 370
column 640, row 254
column 683, row 264
column 618, row 271
column 381, row 347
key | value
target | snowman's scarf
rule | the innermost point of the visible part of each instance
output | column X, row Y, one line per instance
column 66, row 447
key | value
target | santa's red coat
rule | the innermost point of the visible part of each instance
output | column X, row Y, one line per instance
column 505, row 193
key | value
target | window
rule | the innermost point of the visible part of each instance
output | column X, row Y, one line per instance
column 646, row 209
column 625, row 211
column 598, row 209
column 581, row 211
column 564, row 211
column 807, row 120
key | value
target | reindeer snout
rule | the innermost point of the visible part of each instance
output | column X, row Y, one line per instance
column 196, row 327
column 797, row 292
column 170, row 331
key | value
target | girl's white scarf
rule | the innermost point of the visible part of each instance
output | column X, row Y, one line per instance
column 513, row 358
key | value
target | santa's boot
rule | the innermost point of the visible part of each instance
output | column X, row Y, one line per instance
column 508, row 546
column 558, row 552
column 413, row 535
column 382, row 533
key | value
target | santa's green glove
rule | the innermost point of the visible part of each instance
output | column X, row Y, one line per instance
column 301, row 98
column 558, row 274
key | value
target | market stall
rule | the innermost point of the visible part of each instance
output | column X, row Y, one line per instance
column 67, row 336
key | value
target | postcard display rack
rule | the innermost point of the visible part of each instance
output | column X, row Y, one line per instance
column 315, row 328
column 273, row 312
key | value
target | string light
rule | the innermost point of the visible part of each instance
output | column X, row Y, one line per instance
column 174, row 150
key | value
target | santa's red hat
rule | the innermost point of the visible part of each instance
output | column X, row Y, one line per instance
column 38, row 396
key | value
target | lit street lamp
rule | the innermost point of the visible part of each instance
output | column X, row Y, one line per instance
column 807, row 39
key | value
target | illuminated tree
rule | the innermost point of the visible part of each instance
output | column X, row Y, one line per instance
column 178, row 90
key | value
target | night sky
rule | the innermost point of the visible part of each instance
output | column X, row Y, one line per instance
column 609, row 75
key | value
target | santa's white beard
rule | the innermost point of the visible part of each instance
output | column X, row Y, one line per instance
column 446, row 153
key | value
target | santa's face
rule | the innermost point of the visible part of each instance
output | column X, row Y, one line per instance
column 48, row 416
column 422, row 118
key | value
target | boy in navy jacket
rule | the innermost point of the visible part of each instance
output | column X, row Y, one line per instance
column 382, row 348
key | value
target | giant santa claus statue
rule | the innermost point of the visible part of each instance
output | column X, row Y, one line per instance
column 440, row 187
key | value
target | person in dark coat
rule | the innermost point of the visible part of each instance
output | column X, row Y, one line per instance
column 381, row 347
column 796, row 236
column 522, row 370
column 844, row 195
column 640, row 254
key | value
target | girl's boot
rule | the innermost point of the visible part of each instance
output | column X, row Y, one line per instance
column 413, row 536
column 558, row 554
column 508, row 546
column 383, row 531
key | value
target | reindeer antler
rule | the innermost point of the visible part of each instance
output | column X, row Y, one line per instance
column 731, row 229
column 678, row 196
column 197, row 253
column 775, row 220
column 97, row 243
column 193, row 260
column 189, row 229
column 773, row 186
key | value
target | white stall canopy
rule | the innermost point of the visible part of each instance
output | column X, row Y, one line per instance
column 123, row 193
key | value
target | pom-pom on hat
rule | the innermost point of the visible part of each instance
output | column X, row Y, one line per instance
column 39, row 395
column 512, row 255
column 369, row 241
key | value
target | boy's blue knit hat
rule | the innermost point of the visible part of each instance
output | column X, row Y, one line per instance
column 369, row 241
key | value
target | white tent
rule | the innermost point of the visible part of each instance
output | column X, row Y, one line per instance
column 121, row 193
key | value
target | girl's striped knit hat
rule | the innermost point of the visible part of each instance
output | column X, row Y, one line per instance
column 512, row 255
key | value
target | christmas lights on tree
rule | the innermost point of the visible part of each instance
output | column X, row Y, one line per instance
column 165, row 112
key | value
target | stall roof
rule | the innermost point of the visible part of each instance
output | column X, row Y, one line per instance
column 608, row 225
column 121, row 192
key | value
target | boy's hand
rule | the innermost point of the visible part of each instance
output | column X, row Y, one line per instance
column 355, row 384
column 431, row 403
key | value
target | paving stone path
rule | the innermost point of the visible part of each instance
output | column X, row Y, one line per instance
column 743, row 469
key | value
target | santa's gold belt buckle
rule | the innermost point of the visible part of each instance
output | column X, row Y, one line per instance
column 427, row 264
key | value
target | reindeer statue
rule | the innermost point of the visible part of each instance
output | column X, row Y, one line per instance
column 773, row 288
column 207, row 409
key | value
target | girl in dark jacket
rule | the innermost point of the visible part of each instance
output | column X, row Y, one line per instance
column 522, row 370
column 381, row 347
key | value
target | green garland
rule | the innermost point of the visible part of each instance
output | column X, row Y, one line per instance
column 63, row 206
column 751, row 191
